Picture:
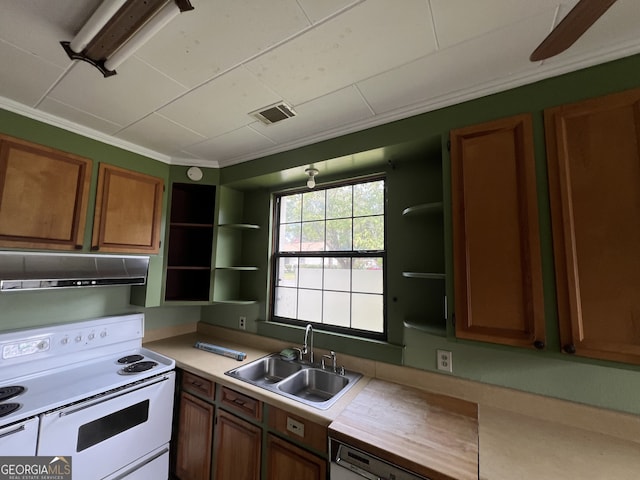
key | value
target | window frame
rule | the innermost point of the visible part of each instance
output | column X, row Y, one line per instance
column 276, row 256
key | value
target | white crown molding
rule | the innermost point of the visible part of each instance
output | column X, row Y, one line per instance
column 73, row 127
column 454, row 98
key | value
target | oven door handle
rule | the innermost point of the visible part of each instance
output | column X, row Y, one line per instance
column 140, row 465
column 125, row 391
column 16, row 430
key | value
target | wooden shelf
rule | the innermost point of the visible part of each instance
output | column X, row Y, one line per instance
column 236, row 302
column 427, row 325
column 240, row 226
column 185, row 267
column 425, row 275
column 423, row 209
column 239, row 268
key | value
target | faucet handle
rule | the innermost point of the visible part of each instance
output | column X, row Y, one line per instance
column 332, row 357
column 299, row 352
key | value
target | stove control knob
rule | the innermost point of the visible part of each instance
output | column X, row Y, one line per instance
column 79, row 338
column 91, row 336
column 103, row 334
column 43, row 345
column 64, row 340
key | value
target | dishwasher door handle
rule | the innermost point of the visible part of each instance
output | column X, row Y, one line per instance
column 357, row 470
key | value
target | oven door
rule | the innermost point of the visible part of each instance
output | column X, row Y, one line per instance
column 20, row 438
column 106, row 433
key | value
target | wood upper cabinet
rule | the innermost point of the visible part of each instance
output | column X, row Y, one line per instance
column 194, row 439
column 43, row 196
column 286, row 461
column 496, row 244
column 237, row 448
column 593, row 151
column 128, row 211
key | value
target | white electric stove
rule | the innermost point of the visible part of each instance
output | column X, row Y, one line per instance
column 88, row 390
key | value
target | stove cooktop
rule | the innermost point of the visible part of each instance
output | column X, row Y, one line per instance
column 49, row 367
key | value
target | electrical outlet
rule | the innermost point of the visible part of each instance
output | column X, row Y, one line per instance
column 444, row 360
column 242, row 323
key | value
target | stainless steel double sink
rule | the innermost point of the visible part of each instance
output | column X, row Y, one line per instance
column 301, row 381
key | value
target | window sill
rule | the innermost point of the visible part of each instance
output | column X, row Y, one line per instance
column 359, row 347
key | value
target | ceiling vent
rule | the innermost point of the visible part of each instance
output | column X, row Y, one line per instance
column 274, row 113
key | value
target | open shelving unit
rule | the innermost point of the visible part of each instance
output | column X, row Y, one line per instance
column 189, row 251
column 230, row 268
column 428, row 314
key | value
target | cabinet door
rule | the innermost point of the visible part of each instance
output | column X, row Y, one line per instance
column 496, row 244
column 43, row 196
column 128, row 211
column 593, row 150
column 237, row 448
column 285, row 461
column 195, row 437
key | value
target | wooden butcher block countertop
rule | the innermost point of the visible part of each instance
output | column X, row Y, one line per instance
column 432, row 435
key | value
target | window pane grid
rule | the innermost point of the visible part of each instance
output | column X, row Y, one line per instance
column 329, row 257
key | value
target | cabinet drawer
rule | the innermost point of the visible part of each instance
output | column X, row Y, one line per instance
column 198, row 385
column 298, row 429
column 241, row 403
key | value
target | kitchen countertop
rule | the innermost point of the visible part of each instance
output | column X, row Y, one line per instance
column 432, row 434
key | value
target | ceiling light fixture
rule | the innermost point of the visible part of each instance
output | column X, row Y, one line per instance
column 118, row 28
column 312, row 172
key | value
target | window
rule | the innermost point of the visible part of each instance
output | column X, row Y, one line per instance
column 329, row 258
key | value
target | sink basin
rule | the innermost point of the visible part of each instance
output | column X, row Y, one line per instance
column 269, row 369
column 297, row 380
column 314, row 385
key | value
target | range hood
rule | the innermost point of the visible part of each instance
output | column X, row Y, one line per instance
column 20, row 271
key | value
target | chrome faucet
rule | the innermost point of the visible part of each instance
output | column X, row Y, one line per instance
column 307, row 347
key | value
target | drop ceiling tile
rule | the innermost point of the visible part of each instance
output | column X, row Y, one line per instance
column 215, row 36
column 459, row 20
column 464, row 69
column 324, row 114
column 80, row 117
column 317, row 11
column 227, row 147
column 221, row 105
column 38, row 26
column 133, row 93
column 160, row 134
column 28, row 83
column 355, row 45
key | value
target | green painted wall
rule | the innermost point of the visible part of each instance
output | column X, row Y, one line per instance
column 605, row 384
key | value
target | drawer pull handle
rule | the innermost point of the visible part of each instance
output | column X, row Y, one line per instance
column 196, row 384
column 239, row 401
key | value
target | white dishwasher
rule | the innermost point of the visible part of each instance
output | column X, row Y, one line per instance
column 350, row 463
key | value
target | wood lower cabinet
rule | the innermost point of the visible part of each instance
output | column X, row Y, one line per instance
column 593, row 151
column 128, row 211
column 237, row 448
column 285, row 461
column 194, row 439
column 496, row 244
column 43, row 196
column 230, row 445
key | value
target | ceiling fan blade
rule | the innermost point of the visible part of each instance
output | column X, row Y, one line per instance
column 577, row 21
